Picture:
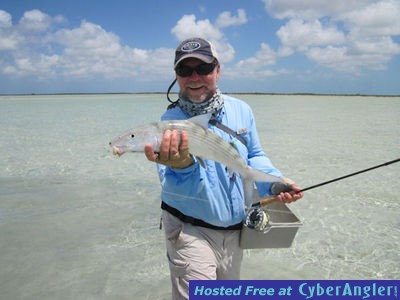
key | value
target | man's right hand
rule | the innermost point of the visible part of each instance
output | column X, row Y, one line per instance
column 174, row 150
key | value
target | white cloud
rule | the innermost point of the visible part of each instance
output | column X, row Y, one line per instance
column 341, row 59
column 86, row 51
column 355, row 56
column 381, row 45
column 35, row 20
column 7, row 43
column 26, row 45
column 5, row 19
column 302, row 34
column 312, row 9
column 36, row 47
column 43, row 66
column 188, row 27
column 8, row 40
column 225, row 19
column 265, row 56
column 88, row 39
column 257, row 67
column 89, row 50
column 376, row 19
column 225, row 50
column 346, row 35
column 285, row 51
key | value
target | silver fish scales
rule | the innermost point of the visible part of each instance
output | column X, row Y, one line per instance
column 203, row 144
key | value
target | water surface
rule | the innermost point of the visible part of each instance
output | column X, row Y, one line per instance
column 79, row 223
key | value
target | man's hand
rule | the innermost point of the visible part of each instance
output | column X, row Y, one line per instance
column 174, row 150
column 293, row 195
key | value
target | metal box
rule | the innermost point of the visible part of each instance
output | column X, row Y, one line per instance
column 280, row 233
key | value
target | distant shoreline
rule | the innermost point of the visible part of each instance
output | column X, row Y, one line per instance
column 230, row 93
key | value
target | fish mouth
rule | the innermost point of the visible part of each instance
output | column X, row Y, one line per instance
column 116, row 150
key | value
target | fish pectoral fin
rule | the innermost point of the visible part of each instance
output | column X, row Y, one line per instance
column 248, row 187
column 231, row 172
column 201, row 162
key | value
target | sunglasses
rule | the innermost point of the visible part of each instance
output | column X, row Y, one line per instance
column 202, row 69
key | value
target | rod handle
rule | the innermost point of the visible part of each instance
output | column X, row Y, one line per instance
column 267, row 200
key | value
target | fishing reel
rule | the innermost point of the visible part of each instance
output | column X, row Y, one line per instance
column 257, row 219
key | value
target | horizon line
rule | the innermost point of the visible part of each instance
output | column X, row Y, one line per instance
column 232, row 93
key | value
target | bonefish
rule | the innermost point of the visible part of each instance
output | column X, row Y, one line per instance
column 203, row 144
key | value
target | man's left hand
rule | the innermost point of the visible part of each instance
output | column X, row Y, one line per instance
column 288, row 197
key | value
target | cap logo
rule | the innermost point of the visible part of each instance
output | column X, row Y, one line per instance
column 190, row 46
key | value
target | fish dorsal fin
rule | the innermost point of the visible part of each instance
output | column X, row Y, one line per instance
column 201, row 120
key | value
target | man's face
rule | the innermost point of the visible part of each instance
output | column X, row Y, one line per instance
column 198, row 88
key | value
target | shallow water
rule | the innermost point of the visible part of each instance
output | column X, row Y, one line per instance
column 77, row 222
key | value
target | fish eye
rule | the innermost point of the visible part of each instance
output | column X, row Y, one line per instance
column 132, row 135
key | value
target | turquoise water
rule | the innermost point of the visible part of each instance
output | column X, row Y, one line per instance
column 77, row 222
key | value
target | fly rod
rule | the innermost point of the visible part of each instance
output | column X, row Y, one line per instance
column 268, row 200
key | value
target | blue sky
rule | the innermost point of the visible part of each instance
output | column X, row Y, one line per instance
column 272, row 46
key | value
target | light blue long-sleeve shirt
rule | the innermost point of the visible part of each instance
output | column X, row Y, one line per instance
column 214, row 194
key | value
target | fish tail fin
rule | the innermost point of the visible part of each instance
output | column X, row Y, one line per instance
column 256, row 175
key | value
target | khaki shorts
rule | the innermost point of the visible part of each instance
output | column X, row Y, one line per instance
column 196, row 252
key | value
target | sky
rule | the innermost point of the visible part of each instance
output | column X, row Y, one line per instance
column 264, row 46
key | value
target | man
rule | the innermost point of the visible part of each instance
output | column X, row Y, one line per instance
column 203, row 206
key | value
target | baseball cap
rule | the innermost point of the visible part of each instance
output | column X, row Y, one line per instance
column 197, row 48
